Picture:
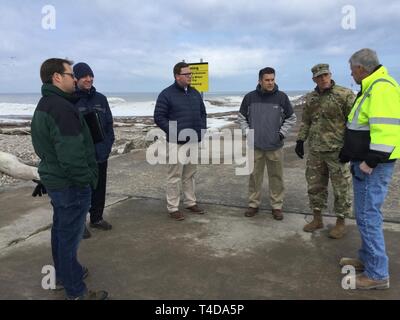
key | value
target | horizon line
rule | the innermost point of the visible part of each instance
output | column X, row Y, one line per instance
column 125, row 92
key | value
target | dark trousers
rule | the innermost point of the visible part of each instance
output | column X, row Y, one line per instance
column 70, row 207
column 99, row 195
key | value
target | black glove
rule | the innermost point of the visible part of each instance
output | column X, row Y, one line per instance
column 281, row 136
column 299, row 148
column 39, row 189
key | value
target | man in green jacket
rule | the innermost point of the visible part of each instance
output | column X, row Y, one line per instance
column 67, row 169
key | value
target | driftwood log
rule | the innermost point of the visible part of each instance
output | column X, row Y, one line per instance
column 12, row 131
column 12, row 166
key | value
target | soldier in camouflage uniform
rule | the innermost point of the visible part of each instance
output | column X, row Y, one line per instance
column 323, row 124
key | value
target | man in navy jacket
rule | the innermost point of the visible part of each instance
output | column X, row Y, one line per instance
column 181, row 107
column 94, row 107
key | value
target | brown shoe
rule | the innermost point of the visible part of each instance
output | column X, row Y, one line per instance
column 338, row 230
column 195, row 209
column 251, row 212
column 177, row 215
column 364, row 283
column 316, row 223
column 356, row 263
column 277, row 214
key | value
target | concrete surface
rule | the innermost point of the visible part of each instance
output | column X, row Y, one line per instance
column 219, row 255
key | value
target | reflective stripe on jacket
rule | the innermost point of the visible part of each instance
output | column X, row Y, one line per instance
column 373, row 127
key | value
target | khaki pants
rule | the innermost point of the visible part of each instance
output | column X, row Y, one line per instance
column 180, row 174
column 274, row 162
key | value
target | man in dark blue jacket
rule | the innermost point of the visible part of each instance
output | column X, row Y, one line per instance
column 94, row 107
column 181, row 107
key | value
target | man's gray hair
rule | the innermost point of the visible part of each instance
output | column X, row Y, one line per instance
column 365, row 58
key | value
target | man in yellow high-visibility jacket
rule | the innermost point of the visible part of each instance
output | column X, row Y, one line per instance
column 372, row 143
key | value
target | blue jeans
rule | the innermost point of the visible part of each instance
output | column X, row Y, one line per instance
column 369, row 193
column 70, row 207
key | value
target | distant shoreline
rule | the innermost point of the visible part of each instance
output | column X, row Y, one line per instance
column 20, row 108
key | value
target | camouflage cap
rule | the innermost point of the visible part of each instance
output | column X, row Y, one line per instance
column 320, row 68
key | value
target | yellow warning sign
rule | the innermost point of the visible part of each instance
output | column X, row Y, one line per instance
column 199, row 76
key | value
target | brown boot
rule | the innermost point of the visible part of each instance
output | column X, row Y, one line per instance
column 338, row 230
column 195, row 209
column 316, row 223
column 277, row 214
column 364, row 283
column 251, row 212
column 177, row 215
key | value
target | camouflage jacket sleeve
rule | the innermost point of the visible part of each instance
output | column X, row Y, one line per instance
column 348, row 105
column 305, row 122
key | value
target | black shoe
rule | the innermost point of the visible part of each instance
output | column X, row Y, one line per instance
column 60, row 286
column 91, row 295
column 86, row 233
column 102, row 225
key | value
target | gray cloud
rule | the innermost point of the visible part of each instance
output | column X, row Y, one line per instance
column 132, row 45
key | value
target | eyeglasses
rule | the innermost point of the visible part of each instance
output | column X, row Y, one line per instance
column 186, row 74
column 70, row 74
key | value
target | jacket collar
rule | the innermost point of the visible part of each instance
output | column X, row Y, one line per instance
column 333, row 83
column 267, row 93
column 380, row 72
column 180, row 87
column 51, row 90
column 85, row 93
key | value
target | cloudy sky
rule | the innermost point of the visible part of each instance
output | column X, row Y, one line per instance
column 133, row 45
